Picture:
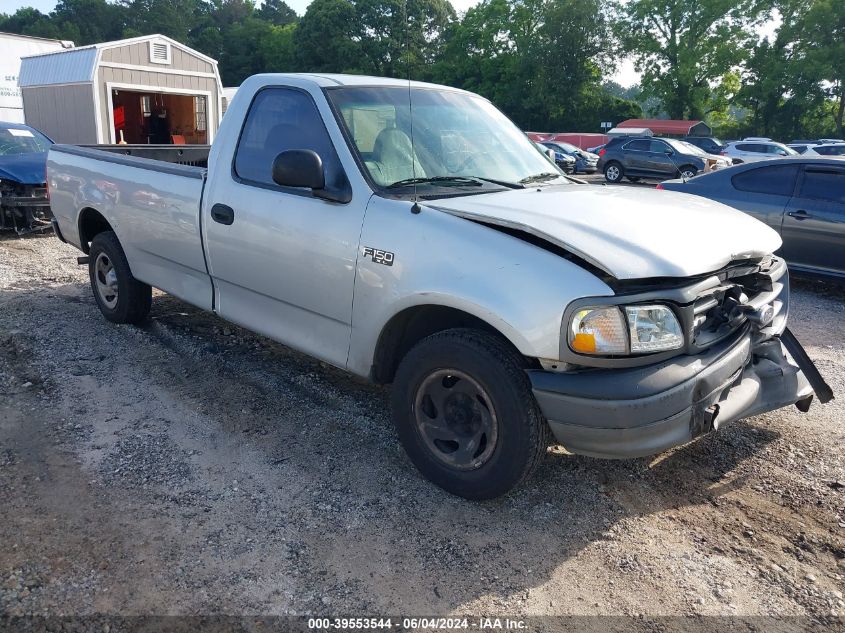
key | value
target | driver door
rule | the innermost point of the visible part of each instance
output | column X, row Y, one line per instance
column 283, row 261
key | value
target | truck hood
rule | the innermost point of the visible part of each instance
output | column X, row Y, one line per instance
column 629, row 232
column 26, row 169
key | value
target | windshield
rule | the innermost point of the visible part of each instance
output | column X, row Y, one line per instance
column 689, row 148
column 15, row 141
column 456, row 137
column 566, row 147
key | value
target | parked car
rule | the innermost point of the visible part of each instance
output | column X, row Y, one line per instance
column 709, row 144
column 24, row 205
column 501, row 299
column 585, row 162
column 635, row 157
column 566, row 162
column 800, row 147
column 803, row 199
column 835, row 149
column 753, row 150
column 826, row 141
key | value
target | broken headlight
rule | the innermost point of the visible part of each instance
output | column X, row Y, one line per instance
column 624, row 330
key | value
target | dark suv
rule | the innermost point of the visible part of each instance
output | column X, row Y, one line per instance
column 644, row 157
column 707, row 143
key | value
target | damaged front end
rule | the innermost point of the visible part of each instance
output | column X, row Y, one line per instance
column 737, row 360
column 24, row 208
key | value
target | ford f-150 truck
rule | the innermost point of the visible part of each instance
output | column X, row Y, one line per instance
column 411, row 234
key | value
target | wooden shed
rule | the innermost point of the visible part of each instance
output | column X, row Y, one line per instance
column 149, row 89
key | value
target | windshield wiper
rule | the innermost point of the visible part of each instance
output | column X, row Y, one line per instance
column 546, row 175
column 473, row 181
column 458, row 180
column 503, row 183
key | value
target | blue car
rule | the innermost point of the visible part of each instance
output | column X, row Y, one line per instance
column 585, row 162
column 24, row 204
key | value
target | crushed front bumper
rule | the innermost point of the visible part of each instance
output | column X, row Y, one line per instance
column 634, row 412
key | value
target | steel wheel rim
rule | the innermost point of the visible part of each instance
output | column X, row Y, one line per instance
column 106, row 278
column 688, row 174
column 613, row 173
column 456, row 420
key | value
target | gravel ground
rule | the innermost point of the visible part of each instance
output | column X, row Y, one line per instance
column 190, row 467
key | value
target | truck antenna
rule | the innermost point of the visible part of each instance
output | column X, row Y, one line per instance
column 415, row 208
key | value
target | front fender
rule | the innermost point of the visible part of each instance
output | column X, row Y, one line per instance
column 519, row 289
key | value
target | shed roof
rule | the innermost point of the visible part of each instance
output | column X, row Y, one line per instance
column 76, row 65
column 630, row 131
column 68, row 66
column 662, row 126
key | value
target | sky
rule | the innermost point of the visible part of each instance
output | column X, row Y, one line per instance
column 625, row 74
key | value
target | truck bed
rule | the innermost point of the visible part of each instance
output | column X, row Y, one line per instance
column 152, row 204
column 192, row 155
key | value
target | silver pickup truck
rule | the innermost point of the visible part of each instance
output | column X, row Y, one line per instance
column 411, row 234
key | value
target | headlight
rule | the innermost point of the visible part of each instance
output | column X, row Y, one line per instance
column 616, row 331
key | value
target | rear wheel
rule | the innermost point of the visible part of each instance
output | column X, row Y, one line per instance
column 120, row 297
column 465, row 413
column 613, row 172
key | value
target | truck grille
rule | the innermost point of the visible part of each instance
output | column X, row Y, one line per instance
column 758, row 295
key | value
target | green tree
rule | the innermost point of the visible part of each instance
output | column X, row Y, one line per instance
column 684, row 48
column 28, row 21
column 325, row 40
column 277, row 12
column 88, row 21
column 174, row 18
column 824, row 49
column 539, row 60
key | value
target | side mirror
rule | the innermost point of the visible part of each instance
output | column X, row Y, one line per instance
column 299, row 168
column 668, row 152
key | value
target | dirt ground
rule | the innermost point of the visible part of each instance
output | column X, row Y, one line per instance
column 190, row 467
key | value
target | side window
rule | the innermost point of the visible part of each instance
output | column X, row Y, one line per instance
column 778, row 181
column 639, row 145
column 824, row 185
column 280, row 119
column 745, row 147
column 831, row 150
column 659, row 147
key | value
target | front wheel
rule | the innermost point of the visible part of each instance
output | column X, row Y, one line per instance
column 465, row 414
column 613, row 172
column 120, row 297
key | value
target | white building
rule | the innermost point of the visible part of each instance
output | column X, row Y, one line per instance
column 12, row 48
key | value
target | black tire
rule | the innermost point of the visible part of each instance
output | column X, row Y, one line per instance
column 687, row 171
column 132, row 300
column 613, row 172
column 518, row 437
column 633, row 178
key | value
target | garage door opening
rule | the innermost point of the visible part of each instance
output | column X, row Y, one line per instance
column 159, row 118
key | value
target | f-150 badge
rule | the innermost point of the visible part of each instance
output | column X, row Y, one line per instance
column 379, row 256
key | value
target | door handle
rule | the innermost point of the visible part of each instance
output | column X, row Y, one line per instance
column 223, row 214
column 799, row 215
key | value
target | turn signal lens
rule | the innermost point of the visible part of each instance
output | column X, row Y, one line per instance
column 599, row 331
column 623, row 330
